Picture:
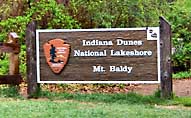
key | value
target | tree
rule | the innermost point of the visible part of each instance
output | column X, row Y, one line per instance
column 117, row 13
column 179, row 17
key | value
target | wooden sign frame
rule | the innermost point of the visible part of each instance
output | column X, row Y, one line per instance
column 38, row 65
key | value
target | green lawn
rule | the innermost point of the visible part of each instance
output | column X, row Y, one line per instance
column 65, row 105
column 97, row 105
column 43, row 108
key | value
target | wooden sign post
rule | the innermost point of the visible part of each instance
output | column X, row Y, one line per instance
column 165, row 47
column 14, row 55
column 127, row 55
column 33, row 87
column 12, row 47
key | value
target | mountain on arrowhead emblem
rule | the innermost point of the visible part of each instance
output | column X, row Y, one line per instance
column 56, row 52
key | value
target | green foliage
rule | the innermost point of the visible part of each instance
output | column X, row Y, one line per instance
column 117, row 13
column 4, row 63
column 9, row 91
column 17, row 24
column 4, row 66
column 5, row 8
column 157, row 93
column 128, row 98
column 182, row 75
column 181, row 27
column 22, row 58
column 102, row 14
column 132, row 13
column 186, row 101
column 47, row 14
column 50, row 15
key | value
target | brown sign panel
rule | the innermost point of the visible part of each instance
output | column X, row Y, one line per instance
column 129, row 55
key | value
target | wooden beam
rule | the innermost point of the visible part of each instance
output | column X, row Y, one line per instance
column 12, row 46
column 32, row 87
column 165, row 55
column 11, row 79
column 9, row 48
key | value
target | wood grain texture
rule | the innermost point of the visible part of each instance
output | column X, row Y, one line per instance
column 32, row 87
column 81, row 68
column 11, row 79
column 9, row 48
column 166, row 71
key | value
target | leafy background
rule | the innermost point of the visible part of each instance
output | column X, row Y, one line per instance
column 68, row 14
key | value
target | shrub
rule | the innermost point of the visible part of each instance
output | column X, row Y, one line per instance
column 47, row 13
column 179, row 17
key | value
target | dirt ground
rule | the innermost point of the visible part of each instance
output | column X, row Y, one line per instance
column 180, row 88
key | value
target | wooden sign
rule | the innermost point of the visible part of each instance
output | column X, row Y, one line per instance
column 129, row 55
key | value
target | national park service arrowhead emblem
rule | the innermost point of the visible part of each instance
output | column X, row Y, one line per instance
column 56, row 52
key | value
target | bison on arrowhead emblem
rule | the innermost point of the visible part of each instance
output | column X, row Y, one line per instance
column 56, row 52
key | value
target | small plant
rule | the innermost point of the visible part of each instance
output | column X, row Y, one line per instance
column 182, row 75
column 186, row 101
column 4, row 65
column 157, row 93
column 9, row 91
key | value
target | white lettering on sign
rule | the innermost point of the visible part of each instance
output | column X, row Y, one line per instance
column 130, row 42
column 106, row 55
column 103, row 53
column 130, row 53
column 98, row 69
column 121, row 69
column 89, row 53
column 96, row 43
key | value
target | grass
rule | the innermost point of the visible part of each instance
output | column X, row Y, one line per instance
column 77, row 109
column 129, row 98
column 9, row 91
column 65, row 105
column 182, row 75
